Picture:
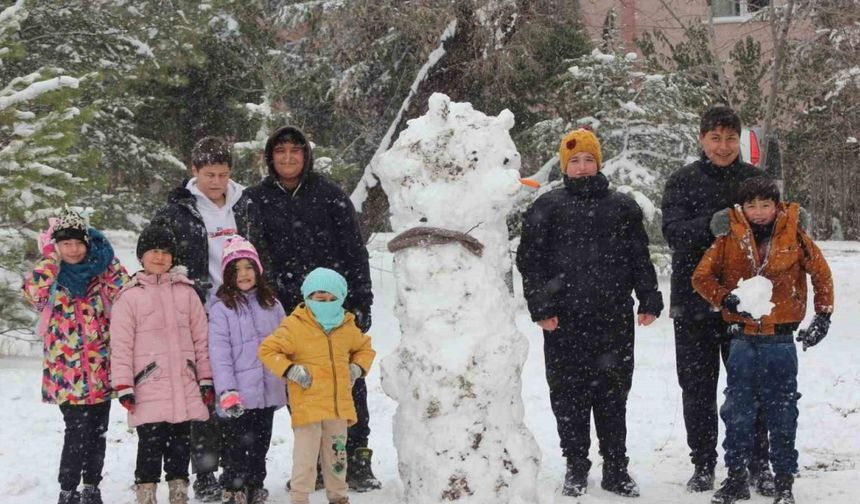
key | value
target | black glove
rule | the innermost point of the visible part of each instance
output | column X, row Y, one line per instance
column 816, row 331
column 720, row 224
column 362, row 319
column 731, row 302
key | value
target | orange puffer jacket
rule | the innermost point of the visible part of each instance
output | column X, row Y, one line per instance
column 300, row 340
column 792, row 254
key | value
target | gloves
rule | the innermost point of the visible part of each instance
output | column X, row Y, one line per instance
column 362, row 319
column 731, row 302
column 46, row 241
column 125, row 394
column 720, row 223
column 231, row 403
column 300, row 375
column 816, row 331
column 355, row 373
column 207, row 392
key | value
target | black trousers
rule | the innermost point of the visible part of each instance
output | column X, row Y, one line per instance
column 358, row 434
column 206, row 444
column 699, row 346
column 162, row 441
column 589, row 368
column 246, row 443
column 84, row 444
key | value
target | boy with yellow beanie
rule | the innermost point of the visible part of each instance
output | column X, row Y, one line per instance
column 583, row 252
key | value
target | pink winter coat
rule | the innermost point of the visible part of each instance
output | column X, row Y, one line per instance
column 159, row 346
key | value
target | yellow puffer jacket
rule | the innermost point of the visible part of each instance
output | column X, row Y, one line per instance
column 300, row 340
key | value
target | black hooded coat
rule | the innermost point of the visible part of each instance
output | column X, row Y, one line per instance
column 297, row 230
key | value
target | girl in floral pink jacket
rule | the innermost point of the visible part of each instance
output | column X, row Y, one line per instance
column 160, row 365
column 73, row 286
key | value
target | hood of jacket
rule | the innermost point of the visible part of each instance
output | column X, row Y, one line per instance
column 270, row 147
column 204, row 204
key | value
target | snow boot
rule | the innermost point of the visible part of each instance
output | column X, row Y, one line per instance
column 359, row 474
column 702, row 479
column 258, row 495
column 234, row 497
column 575, row 479
column 91, row 495
column 782, row 489
column 617, row 480
column 144, row 493
column 69, row 497
column 734, row 488
column 178, row 491
column 763, row 482
column 206, row 487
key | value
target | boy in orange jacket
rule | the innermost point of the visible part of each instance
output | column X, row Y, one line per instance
column 321, row 352
column 761, row 236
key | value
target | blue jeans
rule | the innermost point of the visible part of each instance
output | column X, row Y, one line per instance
column 762, row 372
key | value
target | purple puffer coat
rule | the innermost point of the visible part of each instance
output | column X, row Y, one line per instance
column 234, row 336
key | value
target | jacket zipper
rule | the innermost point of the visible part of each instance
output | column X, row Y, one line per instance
column 333, row 372
column 85, row 357
column 758, row 269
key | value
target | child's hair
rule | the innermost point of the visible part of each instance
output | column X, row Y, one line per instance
column 763, row 188
column 289, row 136
column 719, row 116
column 211, row 151
column 232, row 297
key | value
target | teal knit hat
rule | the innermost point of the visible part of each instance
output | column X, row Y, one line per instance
column 324, row 279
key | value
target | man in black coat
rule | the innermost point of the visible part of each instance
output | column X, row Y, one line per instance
column 202, row 214
column 299, row 220
column 583, row 252
column 692, row 196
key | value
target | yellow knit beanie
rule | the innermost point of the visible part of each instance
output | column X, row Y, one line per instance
column 579, row 140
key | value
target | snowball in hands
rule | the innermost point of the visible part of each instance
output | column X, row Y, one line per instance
column 755, row 294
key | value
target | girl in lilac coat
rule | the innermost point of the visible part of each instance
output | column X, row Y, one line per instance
column 160, row 365
column 245, row 312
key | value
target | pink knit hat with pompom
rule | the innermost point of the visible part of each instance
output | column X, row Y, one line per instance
column 238, row 248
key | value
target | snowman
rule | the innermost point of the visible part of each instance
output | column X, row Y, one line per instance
column 450, row 179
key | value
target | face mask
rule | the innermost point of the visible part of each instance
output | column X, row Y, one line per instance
column 329, row 314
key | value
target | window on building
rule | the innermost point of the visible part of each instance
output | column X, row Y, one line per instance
column 735, row 8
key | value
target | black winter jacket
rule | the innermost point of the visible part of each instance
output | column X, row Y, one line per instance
column 295, row 231
column 180, row 215
column 692, row 195
column 584, row 250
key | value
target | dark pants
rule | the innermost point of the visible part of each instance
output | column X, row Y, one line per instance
column 761, row 375
column 359, row 432
column 162, row 441
column 84, row 444
column 699, row 347
column 206, row 439
column 246, row 442
column 589, row 368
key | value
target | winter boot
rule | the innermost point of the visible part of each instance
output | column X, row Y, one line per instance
column 762, row 481
column 702, row 479
column 206, row 487
column 69, row 497
column 734, row 488
column 617, row 480
column 782, row 489
column 91, row 495
column 575, row 479
column 318, row 485
column 144, row 493
column 234, row 497
column 359, row 474
column 178, row 491
column 258, row 495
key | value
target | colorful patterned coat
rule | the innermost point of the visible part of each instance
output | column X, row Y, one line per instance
column 75, row 341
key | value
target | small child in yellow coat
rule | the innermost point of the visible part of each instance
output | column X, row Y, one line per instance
column 321, row 352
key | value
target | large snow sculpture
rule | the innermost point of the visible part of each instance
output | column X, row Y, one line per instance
column 459, row 428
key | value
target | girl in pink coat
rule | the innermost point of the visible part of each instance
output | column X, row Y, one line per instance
column 160, row 365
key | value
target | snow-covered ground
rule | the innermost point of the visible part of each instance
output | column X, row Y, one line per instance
column 828, row 441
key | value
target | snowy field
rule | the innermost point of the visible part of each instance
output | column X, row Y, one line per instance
column 828, row 435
